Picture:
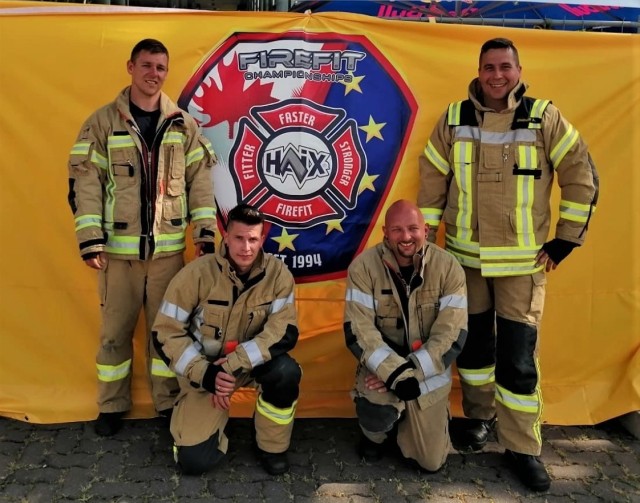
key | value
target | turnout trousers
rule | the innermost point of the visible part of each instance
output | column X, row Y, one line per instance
column 125, row 287
column 498, row 365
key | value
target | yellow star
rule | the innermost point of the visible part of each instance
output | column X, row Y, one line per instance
column 334, row 225
column 285, row 240
column 354, row 85
column 372, row 129
column 367, row 183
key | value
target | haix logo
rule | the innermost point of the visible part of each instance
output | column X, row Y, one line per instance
column 310, row 128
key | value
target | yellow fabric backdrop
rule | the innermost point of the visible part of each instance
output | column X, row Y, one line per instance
column 58, row 66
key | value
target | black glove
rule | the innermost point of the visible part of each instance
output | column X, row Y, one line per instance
column 209, row 379
column 558, row 249
column 407, row 389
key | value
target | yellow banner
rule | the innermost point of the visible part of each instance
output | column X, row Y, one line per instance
column 372, row 90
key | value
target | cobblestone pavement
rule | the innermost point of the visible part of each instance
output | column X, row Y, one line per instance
column 68, row 462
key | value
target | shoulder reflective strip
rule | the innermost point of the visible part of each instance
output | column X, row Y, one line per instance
column 507, row 269
column 99, row 160
column 524, row 203
column 253, row 352
column 278, row 304
column 275, row 414
column 575, row 211
column 435, row 382
column 114, row 142
column 361, row 298
column 522, row 403
column 469, row 133
column 88, row 221
column 564, row 145
column 432, row 216
column 455, row 301
column 511, row 136
column 462, row 167
column 188, row 355
column 478, row 377
column 453, row 116
column 160, row 369
column 201, row 213
column 196, row 154
column 111, row 373
column 80, row 148
column 173, row 137
column 377, row 357
column 174, row 311
column 425, row 361
column 538, row 108
column 441, row 164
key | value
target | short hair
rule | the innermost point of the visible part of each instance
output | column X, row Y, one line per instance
column 150, row 45
column 245, row 214
column 499, row 43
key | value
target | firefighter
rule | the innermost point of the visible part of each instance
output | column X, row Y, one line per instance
column 487, row 173
column 139, row 172
column 405, row 322
column 229, row 320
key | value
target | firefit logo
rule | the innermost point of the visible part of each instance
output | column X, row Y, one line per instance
column 310, row 128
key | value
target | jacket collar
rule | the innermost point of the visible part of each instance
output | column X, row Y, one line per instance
column 222, row 258
column 168, row 108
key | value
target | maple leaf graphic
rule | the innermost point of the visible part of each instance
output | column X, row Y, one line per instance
column 232, row 102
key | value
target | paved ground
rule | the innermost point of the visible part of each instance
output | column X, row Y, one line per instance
column 68, row 462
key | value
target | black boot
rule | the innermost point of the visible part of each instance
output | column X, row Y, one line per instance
column 471, row 434
column 369, row 450
column 165, row 416
column 529, row 469
column 108, row 423
column 273, row 463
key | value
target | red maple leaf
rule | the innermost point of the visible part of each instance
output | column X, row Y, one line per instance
column 232, row 102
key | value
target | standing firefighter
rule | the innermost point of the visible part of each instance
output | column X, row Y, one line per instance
column 487, row 172
column 229, row 320
column 138, row 173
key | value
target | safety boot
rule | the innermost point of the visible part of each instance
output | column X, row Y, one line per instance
column 108, row 423
column 472, row 435
column 274, row 463
column 369, row 450
column 529, row 469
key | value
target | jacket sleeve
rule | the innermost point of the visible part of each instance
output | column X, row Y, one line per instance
column 199, row 159
column 362, row 336
column 435, row 175
column 171, row 336
column 577, row 175
column 87, row 176
column 279, row 333
column 449, row 331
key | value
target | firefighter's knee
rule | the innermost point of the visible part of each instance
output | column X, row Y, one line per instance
column 515, row 359
column 280, row 380
column 200, row 458
column 479, row 349
column 376, row 418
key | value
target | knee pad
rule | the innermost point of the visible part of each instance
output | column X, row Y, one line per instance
column 200, row 458
column 376, row 418
column 515, row 360
column 280, row 380
column 479, row 350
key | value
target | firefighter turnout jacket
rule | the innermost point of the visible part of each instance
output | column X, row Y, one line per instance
column 488, row 175
column 134, row 200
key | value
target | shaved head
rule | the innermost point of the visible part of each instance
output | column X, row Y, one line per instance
column 405, row 230
column 401, row 209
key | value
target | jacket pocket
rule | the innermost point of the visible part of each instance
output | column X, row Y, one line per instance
column 428, row 307
column 175, row 162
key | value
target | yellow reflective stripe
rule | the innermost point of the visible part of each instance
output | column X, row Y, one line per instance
column 478, row 377
column 111, row 373
column 527, row 157
column 466, row 252
column 123, row 245
column 85, row 221
column 524, row 203
column 566, row 142
column 173, row 137
column 99, row 160
column 275, row 414
column 436, row 159
column 170, row 242
column 204, row 212
column 462, row 162
column 522, row 403
column 575, row 212
column 509, row 269
column 123, row 141
column 508, row 252
column 453, row 116
column 196, row 154
column 80, row 148
column 432, row 216
column 536, row 425
column 537, row 110
column 160, row 369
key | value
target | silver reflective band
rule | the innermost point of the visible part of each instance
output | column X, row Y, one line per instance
column 362, row 298
column 253, row 352
column 425, row 361
column 278, row 304
column 174, row 311
column 186, row 357
column 435, row 382
column 377, row 357
column 458, row 301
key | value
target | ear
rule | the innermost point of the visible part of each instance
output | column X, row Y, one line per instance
column 130, row 67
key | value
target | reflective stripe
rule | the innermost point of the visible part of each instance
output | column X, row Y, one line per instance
column 275, row 414
column 522, row 403
column 455, row 301
column 509, row 269
column 468, row 133
column 527, row 159
column 377, row 357
column 122, row 245
column 174, row 311
column 575, row 212
column 80, row 148
column 170, row 242
column 563, row 146
column 508, row 252
column 187, row 356
column 160, row 369
column 99, row 160
column 466, row 252
column 425, row 361
column 173, row 137
column 278, row 304
column 205, row 212
column 478, row 377
column 436, row 159
column 196, row 154
column 116, row 142
column 253, row 352
column 453, row 115
column 509, row 260
column 435, row 382
column 507, row 137
column 462, row 166
column 85, row 221
column 537, row 110
column 111, row 373
column 362, row 298
column 432, row 216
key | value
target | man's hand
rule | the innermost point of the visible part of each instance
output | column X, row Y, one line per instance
column 225, row 386
column 374, row 383
column 542, row 258
column 98, row 262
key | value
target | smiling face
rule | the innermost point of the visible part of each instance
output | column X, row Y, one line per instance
column 243, row 244
column 405, row 231
column 148, row 72
column 499, row 73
